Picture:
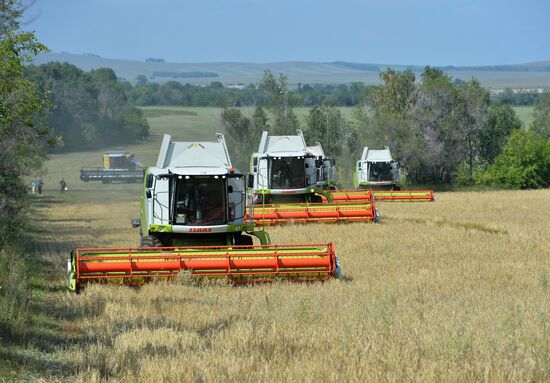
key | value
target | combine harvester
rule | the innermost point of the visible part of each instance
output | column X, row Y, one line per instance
column 376, row 178
column 117, row 167
column 292, row 182
column 193, row 221
column 379, row 172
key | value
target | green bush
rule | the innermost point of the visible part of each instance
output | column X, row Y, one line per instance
column 523, row 164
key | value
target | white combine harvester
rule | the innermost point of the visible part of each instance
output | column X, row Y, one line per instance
column 292, row 182
column 285, row 169
column 377, row 170
column 194, row 195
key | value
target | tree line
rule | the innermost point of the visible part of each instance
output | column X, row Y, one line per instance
column 517, row 98
column 145, row 93
column 174, row 93
column 442, row 131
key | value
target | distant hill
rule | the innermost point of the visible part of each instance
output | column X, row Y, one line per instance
column 529, row 75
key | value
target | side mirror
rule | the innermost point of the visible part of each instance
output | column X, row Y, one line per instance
column 148, row 193
column 250, row 179
column 136, row 222
column 149, row 182
column 230, row 189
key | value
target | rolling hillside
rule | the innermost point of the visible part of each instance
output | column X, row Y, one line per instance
column 532, row 75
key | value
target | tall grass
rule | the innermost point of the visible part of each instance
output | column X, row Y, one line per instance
column 452, row 290
column 13, row 292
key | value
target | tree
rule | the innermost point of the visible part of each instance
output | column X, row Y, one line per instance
column 141, row 80
column 280, row 104
column 111, row 97
column 501, row 122
column 398, row 93
column 541, row 123
column 437, row 116
column 260, row 122
column 327, row 126
column 216, row 85
column 473, row 101
column 10, row 12
column 238, row 128
column 244, row 132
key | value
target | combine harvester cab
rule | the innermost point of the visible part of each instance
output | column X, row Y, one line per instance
column 193, row 221
column 292, row 182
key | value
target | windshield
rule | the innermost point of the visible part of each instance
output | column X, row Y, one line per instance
column 287, row 173
column 380, row 171
column 200, row 201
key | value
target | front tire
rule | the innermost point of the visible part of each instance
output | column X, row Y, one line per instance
column 150, row 241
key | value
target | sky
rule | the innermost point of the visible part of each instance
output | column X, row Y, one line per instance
column 407, row 32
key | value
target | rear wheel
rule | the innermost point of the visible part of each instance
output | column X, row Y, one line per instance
column 150, row 241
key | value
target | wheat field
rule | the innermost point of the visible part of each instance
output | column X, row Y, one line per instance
column 454, row 290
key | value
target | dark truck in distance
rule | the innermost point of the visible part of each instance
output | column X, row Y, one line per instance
column 117, row 167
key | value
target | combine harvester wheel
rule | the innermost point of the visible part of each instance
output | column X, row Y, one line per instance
column 236, row 264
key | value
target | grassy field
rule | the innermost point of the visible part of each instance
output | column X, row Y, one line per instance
column 454, row 290
column 525, row 114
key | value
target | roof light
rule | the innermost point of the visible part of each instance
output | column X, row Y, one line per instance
column 216, row 177
column 231, row 170
column 187, row 177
